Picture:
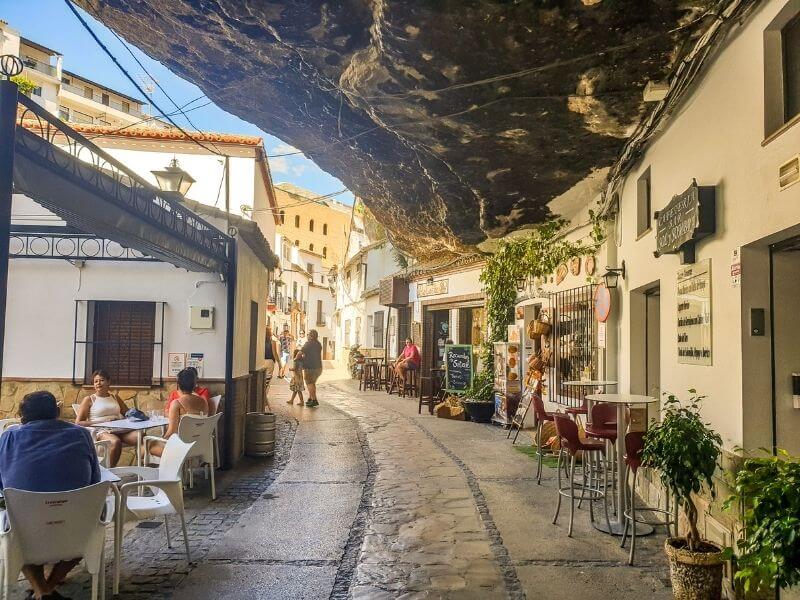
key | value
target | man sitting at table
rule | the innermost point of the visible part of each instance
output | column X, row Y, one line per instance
column 408, row 360
column 45, row 454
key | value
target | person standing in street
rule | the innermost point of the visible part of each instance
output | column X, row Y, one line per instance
column 286, row 340
column 312, row 365
column 271, row 356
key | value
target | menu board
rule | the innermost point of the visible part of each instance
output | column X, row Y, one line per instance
column 458, row 365
column 694, row 314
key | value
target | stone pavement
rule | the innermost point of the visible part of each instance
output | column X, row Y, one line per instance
column 367, row 499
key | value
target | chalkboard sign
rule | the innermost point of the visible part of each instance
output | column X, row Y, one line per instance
column 458, row 364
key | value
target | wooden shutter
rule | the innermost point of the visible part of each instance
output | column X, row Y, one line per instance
column 123, row 339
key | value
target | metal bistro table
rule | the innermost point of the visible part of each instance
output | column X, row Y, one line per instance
column 139, row 427
column 621, row 400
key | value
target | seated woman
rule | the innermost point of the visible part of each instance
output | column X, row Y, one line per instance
column 408, row 360
column 188, row 403
column 103, row 406
column 199, row 390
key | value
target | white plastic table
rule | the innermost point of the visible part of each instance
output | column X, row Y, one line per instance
column 621, row 400
column 139, row 427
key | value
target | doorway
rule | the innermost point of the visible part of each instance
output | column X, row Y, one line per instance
column 253, row 362
column 645, row 354
column 441, row 333
column 785, row 291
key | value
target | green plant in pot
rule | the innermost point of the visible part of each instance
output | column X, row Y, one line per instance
column 767, row 489
column 685, row 453
column 478, row 398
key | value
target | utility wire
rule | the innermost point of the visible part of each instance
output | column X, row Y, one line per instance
column 133, row 81
column 314, row 200
column 148, row 119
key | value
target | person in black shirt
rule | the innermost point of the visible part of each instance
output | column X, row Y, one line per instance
column 312, row 365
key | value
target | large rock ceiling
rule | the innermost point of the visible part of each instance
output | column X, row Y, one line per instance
column 391, row 96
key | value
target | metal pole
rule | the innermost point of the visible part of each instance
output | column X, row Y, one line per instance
column 230, row 406
column 8, row 125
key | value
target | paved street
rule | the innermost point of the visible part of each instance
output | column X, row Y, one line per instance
column 367, row 499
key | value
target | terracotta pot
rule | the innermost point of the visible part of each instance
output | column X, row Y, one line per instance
column 695, row 575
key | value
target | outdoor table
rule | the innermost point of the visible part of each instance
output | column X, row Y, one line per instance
column 621, row 400
column 139, row 427
column 595, row 383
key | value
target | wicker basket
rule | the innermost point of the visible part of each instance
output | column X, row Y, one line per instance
column 539, row 326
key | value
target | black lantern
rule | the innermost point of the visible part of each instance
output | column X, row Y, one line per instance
column 611, row 276
column 173, row 178
column 521, row 284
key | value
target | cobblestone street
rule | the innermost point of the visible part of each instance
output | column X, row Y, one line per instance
column 367, row 499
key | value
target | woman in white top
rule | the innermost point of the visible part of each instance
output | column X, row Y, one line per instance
column 188, row 403
column 104, row 406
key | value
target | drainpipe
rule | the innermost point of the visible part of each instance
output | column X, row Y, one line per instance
column 229, row 406
column 8, row 126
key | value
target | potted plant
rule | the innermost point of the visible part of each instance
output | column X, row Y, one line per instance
column 766, row 489
column 478, row 399
column 685, row 452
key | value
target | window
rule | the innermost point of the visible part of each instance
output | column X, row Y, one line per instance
column 791, row 61
column 63, row 113
column 348, row 277
column 347, row 331
column 320, row 315
column 286, row 251
column 126, row 106
column 297, row 220
column 88, row 92
column 324, row 251
column 358, row 331
column 643, row 212
column 122, row 338
column 37, row 91
column 322, row 278
column 311, row 225
column 105, row 99
column 294, row 290
column 311, row 247
column 66, row 80
column 297, row 243
column 324, row 229
column 282, row 216
column 377, row 330
column 782, row 69
column 310, row 269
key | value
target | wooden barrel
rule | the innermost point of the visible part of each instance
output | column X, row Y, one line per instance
column 259, row 435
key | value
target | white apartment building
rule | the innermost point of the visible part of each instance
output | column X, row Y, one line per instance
column 70, row 96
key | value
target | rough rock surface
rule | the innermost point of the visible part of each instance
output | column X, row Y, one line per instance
column 383, row 94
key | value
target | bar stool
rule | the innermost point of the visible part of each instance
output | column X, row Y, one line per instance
column 604, row 426
column 383, row 375
column 428, row 393
column 409, row 383
column 542, row 416
column 634, row 444
column 570, row 445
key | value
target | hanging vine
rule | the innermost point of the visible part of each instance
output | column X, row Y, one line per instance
column 537, row 255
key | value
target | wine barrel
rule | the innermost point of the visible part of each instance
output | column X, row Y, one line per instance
column 259, row 435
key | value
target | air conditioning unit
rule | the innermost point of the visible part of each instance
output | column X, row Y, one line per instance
column 393, row 291
column 789, row 173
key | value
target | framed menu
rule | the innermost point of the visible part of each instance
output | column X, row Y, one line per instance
column 694, row 314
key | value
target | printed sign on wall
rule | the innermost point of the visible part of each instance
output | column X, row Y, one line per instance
column 195, row 360
column 176, row 362
column 694, row 314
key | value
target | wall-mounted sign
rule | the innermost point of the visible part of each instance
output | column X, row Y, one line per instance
column 736, row 267
column 458, row 366
column 176, row 362
column 687, row 218
column 602, row 303
column 432, row 289
column 514, row 334
column 694, row 314
column 196, row 360
column 601, row 334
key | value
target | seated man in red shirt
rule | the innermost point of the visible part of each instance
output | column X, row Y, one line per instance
column 199, row 390
column 409, row 360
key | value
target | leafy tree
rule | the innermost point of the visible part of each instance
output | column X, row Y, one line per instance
column 25, row 85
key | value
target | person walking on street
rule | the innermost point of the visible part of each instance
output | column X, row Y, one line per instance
column 271, row 356
column 312, row 365
column 296, row 384
column 286, row 340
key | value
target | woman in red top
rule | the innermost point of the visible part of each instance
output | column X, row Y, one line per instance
column 203, row 392
column 407, row 361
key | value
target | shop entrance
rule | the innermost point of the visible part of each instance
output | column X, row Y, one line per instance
column 441, row 333
column 785, row 284
column 646, row 342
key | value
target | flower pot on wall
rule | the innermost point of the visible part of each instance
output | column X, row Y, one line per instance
column 695, row 575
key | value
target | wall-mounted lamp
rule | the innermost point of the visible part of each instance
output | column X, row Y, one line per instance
column 611, row 276
column 173, row 179
column 429, row 281
column 521, row 282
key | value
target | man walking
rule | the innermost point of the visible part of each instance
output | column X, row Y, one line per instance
column 312, row 365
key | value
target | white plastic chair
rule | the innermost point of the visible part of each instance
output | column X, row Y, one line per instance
column 8, row 423
column 164, row 483
column 102, row 447
column 48, row 527
column 199, row 430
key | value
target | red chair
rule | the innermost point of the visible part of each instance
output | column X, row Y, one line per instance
column 634, row 444
column 571, row 444
column 541, row 416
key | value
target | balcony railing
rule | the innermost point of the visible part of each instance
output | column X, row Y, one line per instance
column 90, row 94
column 36, row 65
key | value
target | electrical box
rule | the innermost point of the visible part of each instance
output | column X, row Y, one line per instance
column 201, row 317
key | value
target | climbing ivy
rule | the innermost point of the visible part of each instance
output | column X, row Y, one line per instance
column 537, row 254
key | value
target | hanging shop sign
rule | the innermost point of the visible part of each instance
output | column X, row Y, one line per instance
column 688, row 218
column 434, row 288
column 602, row 303
column 458, row 366
column 694, row 314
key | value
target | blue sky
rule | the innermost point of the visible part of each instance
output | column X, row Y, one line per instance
column 50, row 23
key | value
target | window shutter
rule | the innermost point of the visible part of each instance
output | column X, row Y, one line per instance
column 123, row 340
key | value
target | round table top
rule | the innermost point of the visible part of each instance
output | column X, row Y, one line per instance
column 621, row 398
column 589, row 383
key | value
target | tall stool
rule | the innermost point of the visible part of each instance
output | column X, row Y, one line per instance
column 603, row 426
column 542, row 416
column 571, row 444
column 634, row 444
column 428, row 393
column 409, row 383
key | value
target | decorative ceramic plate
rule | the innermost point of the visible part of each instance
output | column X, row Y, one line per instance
column 575, row 265
column 590, row 265
column 561, row 273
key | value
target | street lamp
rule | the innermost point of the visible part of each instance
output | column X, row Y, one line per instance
column 173, row 178
column 611, row 276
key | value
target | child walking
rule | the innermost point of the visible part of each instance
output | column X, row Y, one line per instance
column 296, row 384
